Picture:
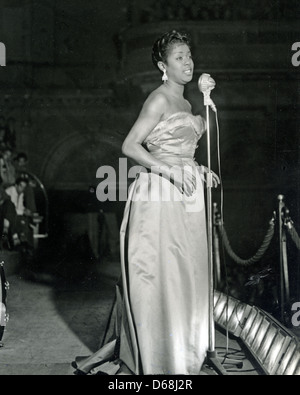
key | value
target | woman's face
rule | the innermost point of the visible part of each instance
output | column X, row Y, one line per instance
column 180, row 65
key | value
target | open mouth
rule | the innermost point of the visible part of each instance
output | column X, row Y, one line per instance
column 188, row 72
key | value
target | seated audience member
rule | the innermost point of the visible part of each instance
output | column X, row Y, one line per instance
column 16, row 194
column 8, row 217
column 2, row 170
column 9, row 168
column 21, row 166
column 21, row 163
column 11, row 133
column 23, row 223
column 2, row 138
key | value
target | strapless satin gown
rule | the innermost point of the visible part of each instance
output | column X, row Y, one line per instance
column 160, row 320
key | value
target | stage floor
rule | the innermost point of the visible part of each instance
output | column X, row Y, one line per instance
column 52, row 322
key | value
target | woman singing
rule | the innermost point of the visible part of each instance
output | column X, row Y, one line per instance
column 163, row 325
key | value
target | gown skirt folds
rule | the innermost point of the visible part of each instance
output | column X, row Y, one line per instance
column 159, row 324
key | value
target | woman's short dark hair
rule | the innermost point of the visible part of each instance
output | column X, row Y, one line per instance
column 162, row 45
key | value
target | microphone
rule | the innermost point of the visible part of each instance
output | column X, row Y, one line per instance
column 206, row 84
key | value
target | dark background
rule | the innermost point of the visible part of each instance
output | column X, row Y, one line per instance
column 77, row 74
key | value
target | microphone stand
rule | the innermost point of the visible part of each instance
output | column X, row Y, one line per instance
column 212, row 358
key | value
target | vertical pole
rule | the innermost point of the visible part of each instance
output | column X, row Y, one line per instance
column 285, row 269
column 210, row 241
column 282, row 299
column 298, row 205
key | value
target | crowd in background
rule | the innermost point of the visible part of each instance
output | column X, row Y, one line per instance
column 17, row 200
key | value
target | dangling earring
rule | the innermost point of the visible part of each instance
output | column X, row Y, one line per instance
column 165, row 77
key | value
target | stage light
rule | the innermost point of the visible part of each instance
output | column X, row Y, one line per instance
column 227, row 313
column 248, row 324
column 220, row 301
column 230, row 313
column 267, row 343
column 252, row 333
column 293, row 367
column 297, row 371
column 261, row 335
column 274, row 347
column 285, row 362
column 275, row 352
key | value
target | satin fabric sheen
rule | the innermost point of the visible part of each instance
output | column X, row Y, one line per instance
column 160, row 319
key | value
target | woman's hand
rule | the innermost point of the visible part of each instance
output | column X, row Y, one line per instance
column 215, row 177
column 184, row 180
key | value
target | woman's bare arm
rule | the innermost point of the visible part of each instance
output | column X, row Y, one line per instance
column 150, row 115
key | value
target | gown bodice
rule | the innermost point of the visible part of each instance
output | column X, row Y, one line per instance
column 176, row 137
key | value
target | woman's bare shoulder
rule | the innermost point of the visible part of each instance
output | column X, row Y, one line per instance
column 156, row 101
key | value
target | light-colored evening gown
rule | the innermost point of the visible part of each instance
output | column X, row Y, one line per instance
column 160, row 318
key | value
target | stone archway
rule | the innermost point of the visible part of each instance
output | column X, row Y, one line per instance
column 72, row 163
column 69, row 171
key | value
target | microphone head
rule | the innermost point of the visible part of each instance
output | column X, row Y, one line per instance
column 206, row 83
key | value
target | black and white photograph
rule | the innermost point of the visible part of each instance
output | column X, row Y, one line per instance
column 150, row 190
